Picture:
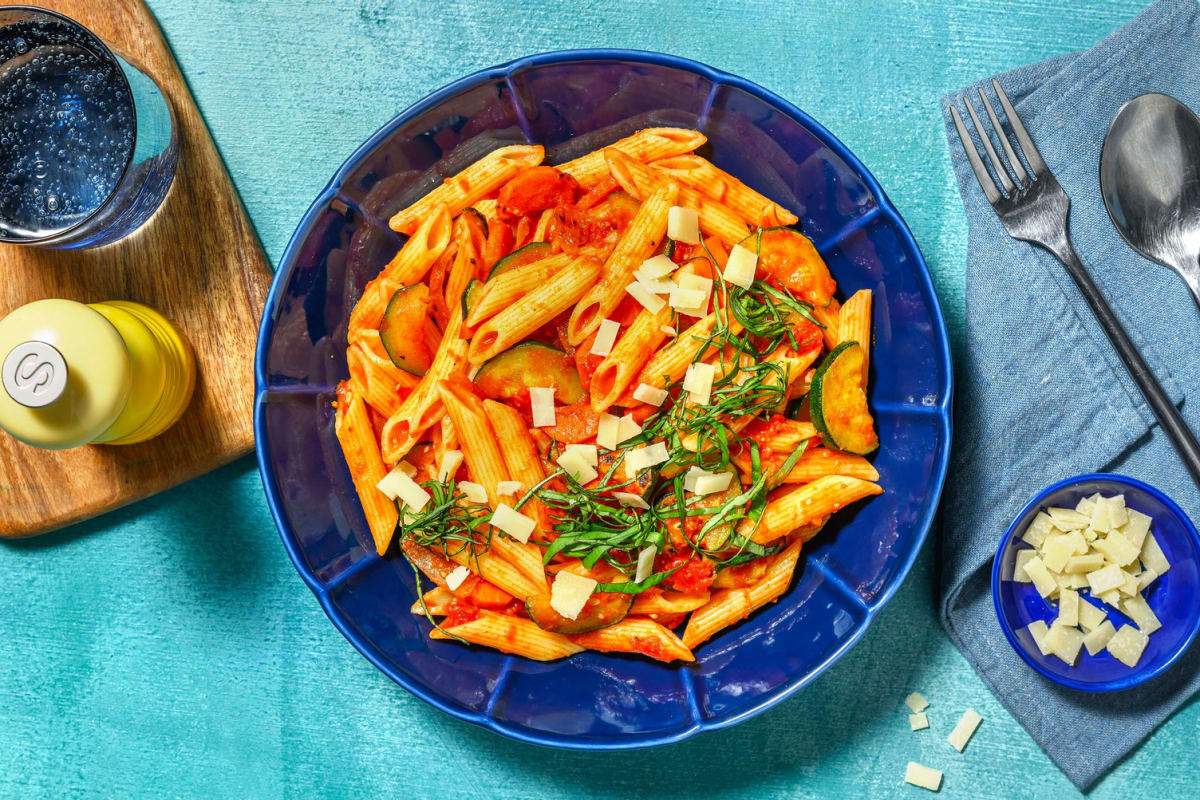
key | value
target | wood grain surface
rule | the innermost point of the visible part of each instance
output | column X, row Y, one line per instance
column 198, row 261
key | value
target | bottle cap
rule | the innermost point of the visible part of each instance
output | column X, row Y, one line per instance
column 34, row 374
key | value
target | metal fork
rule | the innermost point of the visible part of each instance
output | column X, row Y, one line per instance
column 1035, row 209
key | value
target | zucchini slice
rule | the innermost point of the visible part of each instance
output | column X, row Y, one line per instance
column 402, row 330
column 534, row 251
column 528, row 364
column 602, row 609
column 468, row 296
column 791, row 258
column 838, row 402
column 716, row 538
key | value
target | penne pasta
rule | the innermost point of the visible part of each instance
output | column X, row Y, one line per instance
column 469, row 186
column 631, row 352
column 854, row 325
column 818, row 462
column 521, row 458
column 645, row 145
column 730, row 605
column 502, row 291
column 357, row 438
column 658, row 602
column 719, row 185
column 512, row 635
column 668, row 365
column 643, row 636
column 830, row 317
column 497, row 571
column 800, row 506
column 423, row 406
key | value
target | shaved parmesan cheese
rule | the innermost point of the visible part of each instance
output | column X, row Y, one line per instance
column 1145, row 578
column 1056, row 550
column 1127, row 645
column 1064, row 642
column 456, row 577
column 591, row 455
column 1067, row 519
column 631, row 500
column 1138, row 610
column 655, row 285
column 1136, row 528
column 645, row 393
column 1042, row 581
column 397, row 485
column 691, row 476
column 1117, row 548
column 1038, row 530
column 964, row 730
column 916, row 702
column 917, row 721
column 698, row 381
column 576, row 464
column 1099, row 637
column 1086, row 505
column 683, row 225
column 474, row 491
column 711, row 484
column 650, row 301
column 1086, row 563
column 508, row 487
column 1101, row 516
column 1118, row 515
column 407, row 468
column 1110, row 598
column 641, row 458
column 687, row 300
column 668, row 330
column 627, row 428
column 1090, row 616
column 925, row 777
column 541, row 403
column 607, row 431
column 687, row 280
column 1037, row 631
column 659, row 266
column 1152, row 556
column 645, row 563
column 606, row 337
column 1104, row 579
column 570, row 592
column 741, row 266
column 1068, row 608
column 451, row 461
column 1019, row 567
column 1130, row 587
column 514, row 523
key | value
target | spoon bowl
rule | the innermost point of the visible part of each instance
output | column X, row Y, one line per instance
column 1150, row 181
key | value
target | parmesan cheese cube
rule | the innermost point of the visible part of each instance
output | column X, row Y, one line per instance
column 456, row 577
column 698, row 381
column 1111, row 598
column 397, row 485
column 925, row 777
column 645, row 563
column 541, row 404
column 1056, row 551
column 691, row 476
column 916, row 702
column 1104, row 579
column 631, row 500
column 1019, row 567
column 1086, row 505
column 627, row 428
column 741, row 266
column 1118, row 514
column 1099, row 637
column 659, row 266
column 513, row 522
column 1101, row 516
column 1153, row 557
column 711, row 484
column 1138, row 610
column 608, row 431
column 570, row 592
column 1085, row 563
column 655, row 285
column 1042, row 580
column 473, row 491
column 683, row 225
column 645, row 393
column 1068, row 607
column 1145, row 578
column 687, row 300
column 1067, row 519
column 575, row 463
column 641, row 458
column 964, row 730
column 1037, row 631
column 1136, row 528
column 508, row 488
column 1116, row 548
column 650, row 301
column 1090, row 616
column 606, row 337
column 1038, row 530
column 451, row 461
column 1064, row 642
column 1127, row 645
column 696, row 283
column 918, row 721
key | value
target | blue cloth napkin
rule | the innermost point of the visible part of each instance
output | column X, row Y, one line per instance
column 1041, row 393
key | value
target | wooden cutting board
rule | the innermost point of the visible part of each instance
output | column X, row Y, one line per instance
column 198, row 261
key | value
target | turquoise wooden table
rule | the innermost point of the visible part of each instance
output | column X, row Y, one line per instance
column 169, row 649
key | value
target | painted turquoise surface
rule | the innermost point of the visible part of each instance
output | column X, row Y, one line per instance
column 169, row 649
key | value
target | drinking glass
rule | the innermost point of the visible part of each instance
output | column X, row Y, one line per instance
column 88, row 146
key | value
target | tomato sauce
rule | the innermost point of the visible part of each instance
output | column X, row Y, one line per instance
column 536, row 189
column 460, row 612
column 696, row 574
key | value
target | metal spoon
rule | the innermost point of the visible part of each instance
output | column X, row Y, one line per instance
column 1150, row 180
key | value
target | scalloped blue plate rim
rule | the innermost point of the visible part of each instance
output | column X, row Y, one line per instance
column 287, row 263
column 1136, row 676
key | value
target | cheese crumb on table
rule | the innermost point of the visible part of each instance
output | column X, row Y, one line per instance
column 964, row 730
column 918, row 721
column 916, row 702
column 925, row 777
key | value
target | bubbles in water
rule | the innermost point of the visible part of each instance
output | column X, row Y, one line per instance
column 40, row 169
column 21, row 45
column 51, row 203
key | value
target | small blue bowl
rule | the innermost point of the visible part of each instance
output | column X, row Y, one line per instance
column 1174, row 597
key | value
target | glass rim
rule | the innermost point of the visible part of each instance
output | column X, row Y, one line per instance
column 116, row 60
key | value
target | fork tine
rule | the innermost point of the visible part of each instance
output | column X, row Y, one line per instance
column 981, row 174
column 997, row 165
column 1013, row 162
column 1031, row 152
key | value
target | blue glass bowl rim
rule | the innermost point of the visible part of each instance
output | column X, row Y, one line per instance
column 1136, row 676
column 502, row 71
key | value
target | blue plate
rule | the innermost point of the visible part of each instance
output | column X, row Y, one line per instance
column 1174, row 597
column 573, row 102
